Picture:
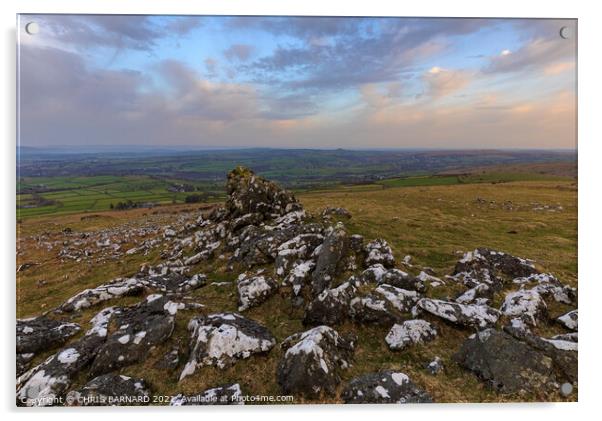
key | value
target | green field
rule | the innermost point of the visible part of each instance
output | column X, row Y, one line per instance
column 70, row 195
column 85, row 194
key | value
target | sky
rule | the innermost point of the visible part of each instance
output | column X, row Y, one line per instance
column 296, row 82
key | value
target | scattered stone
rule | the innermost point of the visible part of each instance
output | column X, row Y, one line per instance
column 569, row 320
column 223, row 395
column 41, row 334
column 378, row 251
column 254, row 290
column 336, row 212
column 221, row 339
column 110, row 390
column 384, row 387
column 435, row 366
column 409, row 333
column 469, row 315
column 312, row 362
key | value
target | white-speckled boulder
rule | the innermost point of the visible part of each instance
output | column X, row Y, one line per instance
column 468, row 315
column 312, row 362
column 221, row 339
column 409, row 333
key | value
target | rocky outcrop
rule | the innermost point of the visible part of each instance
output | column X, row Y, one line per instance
column 222, row 339
column 251, row 194
column 312, row 362
column 384, row 387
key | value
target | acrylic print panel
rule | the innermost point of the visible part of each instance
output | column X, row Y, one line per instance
column 277, row 210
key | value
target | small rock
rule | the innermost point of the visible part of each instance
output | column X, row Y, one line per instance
column 384, row 387
column 409, row 333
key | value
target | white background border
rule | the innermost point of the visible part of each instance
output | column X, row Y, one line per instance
column 590, row 191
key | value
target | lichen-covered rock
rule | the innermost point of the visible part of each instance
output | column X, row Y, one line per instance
column 563, row 352
column 22, row 362
column 495, row 261
column 401, row 279
column 330, row 259
column 221, row 339
column 299, row 276
column 525, row 304
column 373, row 309
column 468, row 315
column 480, row 291
column 505, row 363
column 93, row 296
column 300, row 247
column 401, row 299
column 175, row 282
column 409, row 333
column 111, row 390
column 138, row 329
column 222, row 395
column 312, row 362
column 47, row 383
column 254, row 290
column 374, row 274
column 378, row 251
column 41, row 334
column 384, row 387
column 570, row 320
column 331, row 307
column 249, row 193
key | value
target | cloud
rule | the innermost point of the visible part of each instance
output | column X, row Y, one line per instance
column 533, row 55
column 135, row 32
column 359, row 51
column 442, row 82
column 240, row 52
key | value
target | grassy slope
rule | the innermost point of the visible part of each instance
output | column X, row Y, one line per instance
column 430, row 223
